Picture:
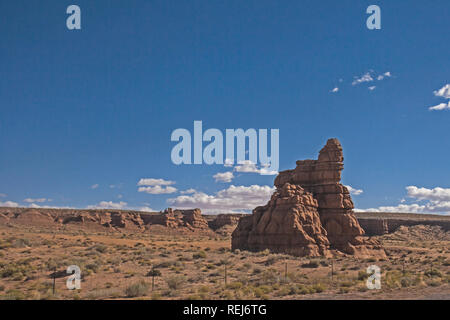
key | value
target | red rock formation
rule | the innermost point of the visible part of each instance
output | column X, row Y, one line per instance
column 34, row 217
column 289, row 223
column 193, row 219
column 225, row 219
column 321, row 178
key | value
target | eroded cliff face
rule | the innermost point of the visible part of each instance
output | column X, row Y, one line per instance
column 319, row 195
column 105, row 219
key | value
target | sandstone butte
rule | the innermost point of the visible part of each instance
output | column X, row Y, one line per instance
column 309, row 214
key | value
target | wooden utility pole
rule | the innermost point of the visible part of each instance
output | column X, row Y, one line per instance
column 153, row 282
column 332, row 270
column 225, row 274
column 285, row 271
column 54, row 281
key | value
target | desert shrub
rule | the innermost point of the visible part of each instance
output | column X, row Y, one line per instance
column 235, row 285
column 175, row 282
column 156, row 296
column 433, row 273
column 270, row 277
column 346, row 284
column 257, row 270
column 103, row 293
column 362, row 275
column 261, row 292
column 286, row 291
column 92, row 267
column 17, row 270
column 318, row 288
column 199, row 255
column 344, row 290
column 247, row 265
column 433, row 283
column 100, row 248
column 271, row 260
column 203, row 289
column 310, row 264
column 13, row 294
column 21, row 243
column 397, row 279
column 324, row 263
column 137, row 290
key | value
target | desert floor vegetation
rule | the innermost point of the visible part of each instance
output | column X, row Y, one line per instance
column 118, row 265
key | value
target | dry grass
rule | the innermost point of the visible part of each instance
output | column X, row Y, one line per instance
column 118, row 266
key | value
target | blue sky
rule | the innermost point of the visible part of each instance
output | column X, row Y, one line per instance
column 86, row 114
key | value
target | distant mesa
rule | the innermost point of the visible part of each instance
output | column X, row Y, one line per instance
column 101, row 219
column 310, row 213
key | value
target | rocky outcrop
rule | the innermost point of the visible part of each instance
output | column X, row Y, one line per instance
column 34, row 217
column 221, row 220
column 193, row 219
column 289, row 223
column 320, row 181
column 379, row 223
column 112, row 219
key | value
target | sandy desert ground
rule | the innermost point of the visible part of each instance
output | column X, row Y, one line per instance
column 118, row 265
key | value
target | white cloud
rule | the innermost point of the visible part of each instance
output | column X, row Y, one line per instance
column 369, row 77
column 364, row 78
column 224, row 176
column 353, row 191
column 95, row 186
column 441, row 106
column 334, row 90
column 371, row 88
column 444, row 92
column 154, row 182
column 40, row 200
column 384, row 75
column 109, row 205
column 228, row 162
column 146, row 209
column 36, row 206
column 403, row 208
column 248, row 166
column 2, row 195
column 157, row 190
column 9, row 204
column 188, row 191
column 436, row 194
column 436, row 200
column 232, row 199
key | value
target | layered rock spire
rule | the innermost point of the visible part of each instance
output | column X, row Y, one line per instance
column 309, row 214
